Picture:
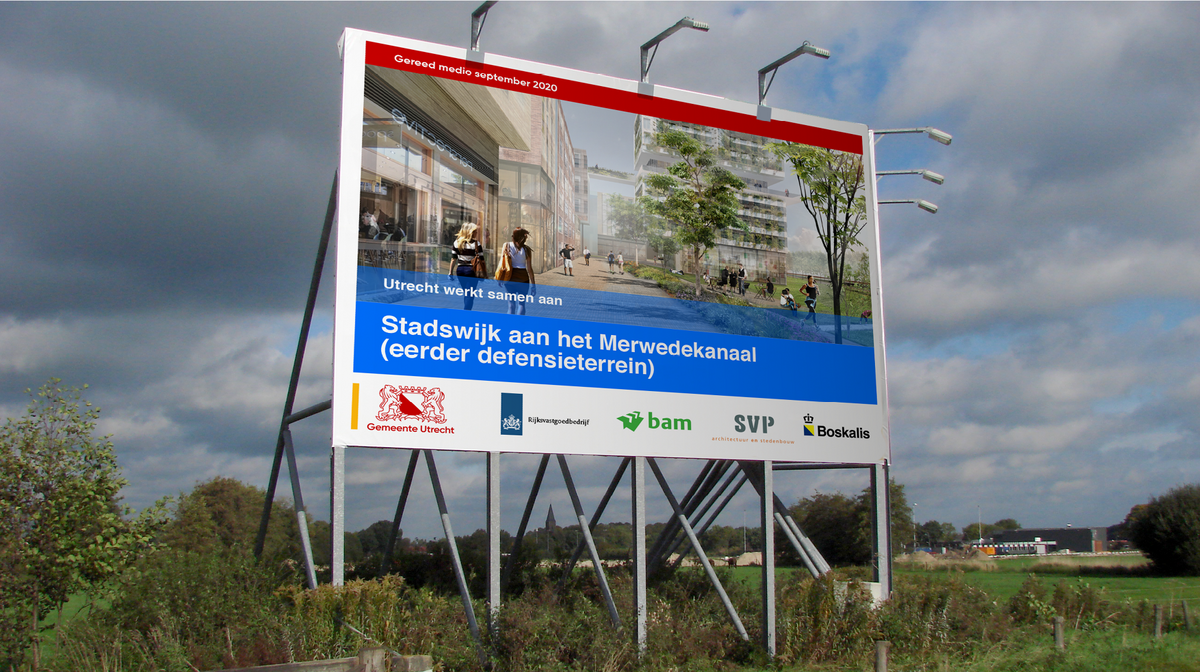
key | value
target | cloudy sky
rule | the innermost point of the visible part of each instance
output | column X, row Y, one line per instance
column 164, row 170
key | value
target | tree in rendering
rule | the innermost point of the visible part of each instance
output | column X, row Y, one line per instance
column 696, row 195
column 833, row 191
column 61, row 529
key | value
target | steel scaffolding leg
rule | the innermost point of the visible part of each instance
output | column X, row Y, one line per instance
column 301, row 517
column 689, row 504
column 297, row 362
column 612, row 486
column 493, row 531
column 766, row 509
column 708, row 568
column 808, row 553
column 638, row 495
column 455, row 560
column 517, row 540
column 671, row 528
column 390, row 549
column 337, row 515
column 733, row 469
column 881, row 519
column 591, row 544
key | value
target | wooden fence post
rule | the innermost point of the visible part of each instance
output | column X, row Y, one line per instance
column 1060, row 643
column 881, row 655
column 1158, row 621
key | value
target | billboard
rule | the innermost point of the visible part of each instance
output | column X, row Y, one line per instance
column 654, row 300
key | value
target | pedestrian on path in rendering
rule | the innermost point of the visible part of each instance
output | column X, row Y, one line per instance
column 611, row 260
column 587, row 256
column 741, row 275
column 466, row 248
column 621, row 262
column 811, row 289
column 568, row 264
column 516, row 272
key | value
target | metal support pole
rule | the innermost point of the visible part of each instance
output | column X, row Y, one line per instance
column 478, row 17
column 455, row 560
column 337, row 515
column 297, row 362
column 791, row 537
column 708, row 568
column 400, row 504
column 670, row 529
column 804, row 547
column 725, row 502
column 301, row 517
column 696, row 517
column 591, row 544
column 822, row 566
column 516, row 549
column 612, row 486
column 493, row 530
column 881, row 524
column 638, row 495
column 766, row 509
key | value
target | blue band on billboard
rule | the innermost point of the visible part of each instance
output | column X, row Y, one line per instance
column 433, row 290
column 411, row 340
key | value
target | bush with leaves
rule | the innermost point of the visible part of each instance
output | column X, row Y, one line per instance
column 62, row 527
column 1168, row 531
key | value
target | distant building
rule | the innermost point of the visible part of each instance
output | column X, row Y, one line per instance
column 550, row 522
column 1073, row 539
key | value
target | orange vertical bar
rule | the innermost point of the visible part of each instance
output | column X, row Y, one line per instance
column 354, row 407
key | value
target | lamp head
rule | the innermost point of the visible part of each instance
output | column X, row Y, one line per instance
column 689, row 22
column 932, row 176
column 813, row 49
column 927, row 206
column 941, row 136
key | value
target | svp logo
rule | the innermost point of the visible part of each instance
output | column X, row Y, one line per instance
column 423, row 404
column 632, row 421
column 753, row 422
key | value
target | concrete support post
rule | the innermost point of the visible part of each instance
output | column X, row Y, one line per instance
column 337, row 515
column 638, row 492
column 766, row 512
column 881, row 525
column 1060, row 643
column 493, row 530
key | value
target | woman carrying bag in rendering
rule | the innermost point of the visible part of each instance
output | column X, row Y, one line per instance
column 514, row 271
column 468, row 262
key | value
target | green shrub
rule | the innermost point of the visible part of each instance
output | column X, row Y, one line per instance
column 1168, row 531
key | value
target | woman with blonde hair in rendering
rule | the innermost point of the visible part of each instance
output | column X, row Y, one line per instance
column 466, row 248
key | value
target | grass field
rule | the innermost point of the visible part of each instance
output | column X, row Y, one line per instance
column 1001, row 578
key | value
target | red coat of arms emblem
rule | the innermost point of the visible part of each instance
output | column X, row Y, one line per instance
column 423, row 404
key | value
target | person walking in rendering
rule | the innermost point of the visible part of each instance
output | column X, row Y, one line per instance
column 741, row 276
column 611, row 260
column 587, row 256
column 621, row 262
column 568, row 264
column 812, row 291
column 517, row 270
column 466, row 248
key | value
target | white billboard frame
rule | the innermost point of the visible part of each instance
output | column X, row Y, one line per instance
column 476, row 401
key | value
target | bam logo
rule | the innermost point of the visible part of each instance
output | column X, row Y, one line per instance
column 809, row 429
column 423, row 404
column 633, row 420
column 755, row 422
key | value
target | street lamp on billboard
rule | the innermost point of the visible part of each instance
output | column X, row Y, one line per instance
column 931, row 208
column 807, row 48
column 925, row 174
column 933, row 133
column 648, row 57
column 478, row 17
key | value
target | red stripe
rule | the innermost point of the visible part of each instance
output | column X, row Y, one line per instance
column 384, row 56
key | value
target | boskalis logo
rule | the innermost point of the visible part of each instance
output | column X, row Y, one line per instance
column 754, row 423
column 633, row 420
column 811, row 429
column 512, row 410
column 408, row 403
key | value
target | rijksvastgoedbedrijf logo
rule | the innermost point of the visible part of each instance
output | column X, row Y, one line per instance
column 632, row 421
column 511, row 411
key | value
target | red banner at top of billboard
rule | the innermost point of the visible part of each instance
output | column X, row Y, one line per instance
column 387, row 56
